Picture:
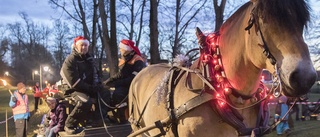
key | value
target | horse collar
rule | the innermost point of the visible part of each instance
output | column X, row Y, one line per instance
column 211, row 58
column 213, row 71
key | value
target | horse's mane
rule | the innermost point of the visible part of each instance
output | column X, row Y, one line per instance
column 283, row 13
column 286, row 13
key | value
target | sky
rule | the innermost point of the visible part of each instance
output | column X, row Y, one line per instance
column 37, row 10
column 40, row 10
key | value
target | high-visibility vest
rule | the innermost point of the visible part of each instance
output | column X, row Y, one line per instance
column 37, row 92
column 21, row 104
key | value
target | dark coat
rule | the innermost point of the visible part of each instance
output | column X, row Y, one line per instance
column 58, row 117
column 79, row 73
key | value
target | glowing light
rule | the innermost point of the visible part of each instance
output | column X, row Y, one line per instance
column 215, row 61
column 4, row 82
column 227, row 91
column 271, row 97
column 221, row 103
column 218, row 95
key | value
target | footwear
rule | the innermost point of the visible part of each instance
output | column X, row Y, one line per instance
column 69, row 130
column 287, row 131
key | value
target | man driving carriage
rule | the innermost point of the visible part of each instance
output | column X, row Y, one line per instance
column 80, row 75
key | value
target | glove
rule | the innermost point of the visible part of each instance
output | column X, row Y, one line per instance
column 14, row 99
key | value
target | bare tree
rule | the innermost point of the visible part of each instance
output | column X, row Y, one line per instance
column 154, row 33
column 185, row 17
column 219, row 10
column 78, row 13
column 61, row 42
column 27, row 44
column 109, row 42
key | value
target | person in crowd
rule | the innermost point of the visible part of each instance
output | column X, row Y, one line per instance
column 295, row 109
column 280, row 115
column 53, row 90
column 57, row 116
column 20, row 109
column 45, row 91
column 304, row 106
column 130, row 64
column 37, row 96
column 80, row 75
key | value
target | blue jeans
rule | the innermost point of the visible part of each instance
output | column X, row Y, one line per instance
column 283, row 126
column 50, row 131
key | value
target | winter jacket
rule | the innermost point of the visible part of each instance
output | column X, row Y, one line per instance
column 128, row 70
column 58, row 117
column 79, row 73
column 281, row 110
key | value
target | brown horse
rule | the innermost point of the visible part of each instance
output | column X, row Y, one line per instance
column 159, row 97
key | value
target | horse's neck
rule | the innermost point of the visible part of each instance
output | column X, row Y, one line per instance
column 242, row 74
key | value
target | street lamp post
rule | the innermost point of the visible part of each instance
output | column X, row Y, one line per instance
column 45, row 68
column 40, row 78
column 34, row 73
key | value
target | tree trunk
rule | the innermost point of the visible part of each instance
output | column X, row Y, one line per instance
column 219, row 12
column 154, row 33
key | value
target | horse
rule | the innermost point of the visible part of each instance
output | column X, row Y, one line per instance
column 220, row 94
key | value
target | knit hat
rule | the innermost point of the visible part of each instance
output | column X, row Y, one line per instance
column 79, row 40
column 283, row 99
column 128, row 45
column 20, row 85
column 51, row 100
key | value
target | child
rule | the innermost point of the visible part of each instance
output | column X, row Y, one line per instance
column 281, row 109
column 57, row 115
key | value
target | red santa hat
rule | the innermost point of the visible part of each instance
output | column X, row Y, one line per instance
column 79, row 40
column 128, row 45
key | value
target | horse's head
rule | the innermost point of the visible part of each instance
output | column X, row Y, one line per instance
column 278, row 27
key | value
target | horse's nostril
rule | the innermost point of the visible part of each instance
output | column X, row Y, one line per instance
column 302, row 81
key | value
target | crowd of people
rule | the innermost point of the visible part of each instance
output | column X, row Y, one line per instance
column 82, row 84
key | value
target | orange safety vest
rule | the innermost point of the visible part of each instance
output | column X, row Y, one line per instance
column 21, row 104
column 37, row 93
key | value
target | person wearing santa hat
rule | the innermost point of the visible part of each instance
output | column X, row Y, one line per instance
column 80, row 75
column 130, row 64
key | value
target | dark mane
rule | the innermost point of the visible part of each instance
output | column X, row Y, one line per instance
column 285, row 13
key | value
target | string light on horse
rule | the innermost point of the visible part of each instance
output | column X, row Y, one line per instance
column 221, row 92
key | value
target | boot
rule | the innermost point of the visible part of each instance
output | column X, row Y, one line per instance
column 122, row 115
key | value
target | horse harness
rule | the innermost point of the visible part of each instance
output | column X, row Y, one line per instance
column 216, row 88
column 214, row 92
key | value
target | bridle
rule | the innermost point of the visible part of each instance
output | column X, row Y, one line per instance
column 210, row 52
column 276, row 76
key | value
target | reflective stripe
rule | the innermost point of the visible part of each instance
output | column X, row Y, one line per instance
column 76, row 83
column 134, row 72
column 65, row 80
column 22, row 106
